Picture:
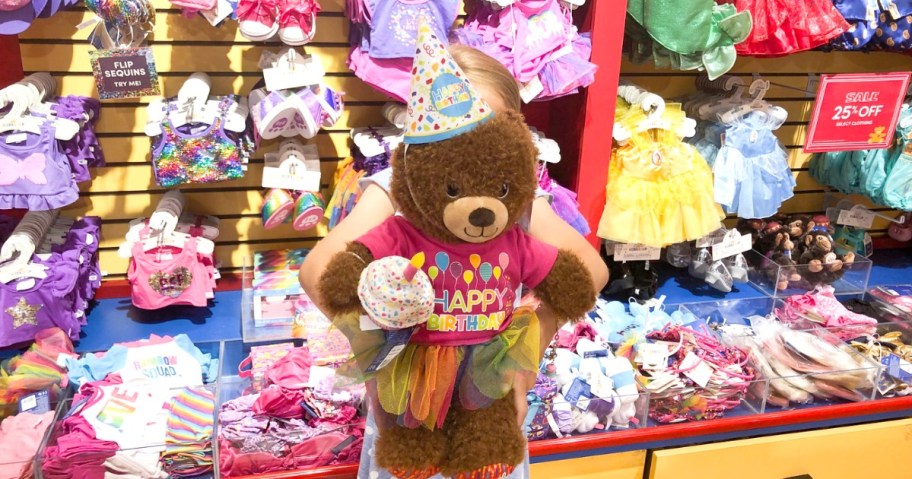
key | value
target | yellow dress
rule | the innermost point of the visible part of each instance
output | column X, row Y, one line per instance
column 659, row 190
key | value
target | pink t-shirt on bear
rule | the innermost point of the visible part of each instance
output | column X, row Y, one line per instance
column 475, row 284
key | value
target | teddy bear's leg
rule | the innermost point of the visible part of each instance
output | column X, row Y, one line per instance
column 411, row 453
column 483, row 443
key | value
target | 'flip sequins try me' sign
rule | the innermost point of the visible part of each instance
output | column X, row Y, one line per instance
column 125, row 73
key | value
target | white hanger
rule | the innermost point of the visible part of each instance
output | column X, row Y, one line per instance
column 370, row 146
column 18, row 249
column 23, row 96
column 196, row 106
column 758, row 89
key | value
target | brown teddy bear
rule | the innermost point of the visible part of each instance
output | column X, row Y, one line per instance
column 462, row 180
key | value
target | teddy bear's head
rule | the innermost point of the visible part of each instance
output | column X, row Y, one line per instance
column 469, row 188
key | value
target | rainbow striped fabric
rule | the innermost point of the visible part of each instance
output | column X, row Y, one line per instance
column 188, row 443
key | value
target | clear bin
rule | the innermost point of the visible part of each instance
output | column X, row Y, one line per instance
column 775, row 280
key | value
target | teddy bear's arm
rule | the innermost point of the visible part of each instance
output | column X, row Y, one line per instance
column 339, row 281
column 567, row 290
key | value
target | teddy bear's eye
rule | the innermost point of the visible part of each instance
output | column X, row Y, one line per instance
column 452, row 190
column 504, row 191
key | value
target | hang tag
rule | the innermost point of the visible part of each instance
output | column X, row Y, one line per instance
column 733, row 243
column 598, row 353
column 16, row 138
column 696, row 369
column 897, row 367
column 219, row 13
column 609, row 248
column 652, row 355
column 554, row 427
column 396, row 341
column 857, row 217
column 36, row 403
column 712, row 238
column 636, row 252
column 531, row 90
column 578, row 390
column 292, row 70
column 125, row 73
column 368, row 324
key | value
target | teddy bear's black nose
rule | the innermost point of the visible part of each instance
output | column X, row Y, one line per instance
column 481, row 217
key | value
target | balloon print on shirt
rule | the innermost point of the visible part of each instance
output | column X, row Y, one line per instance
column 31, row 169
column 476, row 296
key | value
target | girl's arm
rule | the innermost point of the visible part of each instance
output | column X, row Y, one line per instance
column 373, row 207
column 549, row 228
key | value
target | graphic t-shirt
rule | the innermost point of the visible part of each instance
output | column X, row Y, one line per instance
column 475, row 284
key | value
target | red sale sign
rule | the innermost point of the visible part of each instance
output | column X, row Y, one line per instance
column 856, row 111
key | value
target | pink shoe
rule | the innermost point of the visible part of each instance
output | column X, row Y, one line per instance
column 257, row 19
column 297, row 23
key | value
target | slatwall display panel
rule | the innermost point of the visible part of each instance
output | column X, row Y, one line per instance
column 790, row 77
column 125, row 189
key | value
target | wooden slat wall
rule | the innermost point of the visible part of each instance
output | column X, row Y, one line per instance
column 791, row 71
column 125, row 188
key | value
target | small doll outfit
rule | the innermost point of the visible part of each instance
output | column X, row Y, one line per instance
column 182, row 279
column 30, row 305
column 383, row 35
column 198, row 153
column 534, row 40
column 752, row 177
column 660, row 190
column 781, row 27
column 654, row 30
column 34, row 173
column 474, row 339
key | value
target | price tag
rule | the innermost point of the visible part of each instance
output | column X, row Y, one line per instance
column 531, row 90
column 125, row 73
column 35, row 403
column 711, row 239
column 732, row 244
column 636, row 252
column 856, row 111
column 857, row 217
column 696, row 369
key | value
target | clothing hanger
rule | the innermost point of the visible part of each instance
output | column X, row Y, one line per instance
column 22, row 96
column 757, row 89
column 366, row 139
column 17, row 251
column 194, row 105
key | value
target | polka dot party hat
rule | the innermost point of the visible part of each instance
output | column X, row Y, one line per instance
column 442, row 102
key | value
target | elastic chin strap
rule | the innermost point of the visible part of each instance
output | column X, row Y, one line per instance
column 408, row 184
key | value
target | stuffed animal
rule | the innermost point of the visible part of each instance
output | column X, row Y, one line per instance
column 780, row 265
column 462, row 179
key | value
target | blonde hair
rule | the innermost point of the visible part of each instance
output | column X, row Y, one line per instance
column 484, row 70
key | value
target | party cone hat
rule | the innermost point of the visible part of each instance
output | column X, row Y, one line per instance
column 442, row 102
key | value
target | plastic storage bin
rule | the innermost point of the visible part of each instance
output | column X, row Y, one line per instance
column 775, row 280
column 233, row 386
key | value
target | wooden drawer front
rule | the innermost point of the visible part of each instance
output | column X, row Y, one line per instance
column 866, row 451
column 622, row 465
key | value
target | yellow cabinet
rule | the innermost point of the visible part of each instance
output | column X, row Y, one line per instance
column 866, row 451
column 622, row 465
